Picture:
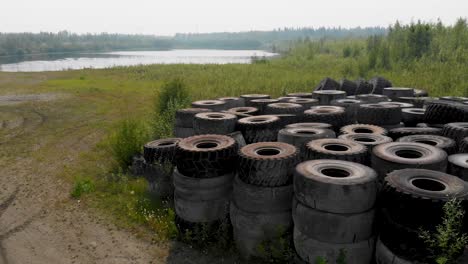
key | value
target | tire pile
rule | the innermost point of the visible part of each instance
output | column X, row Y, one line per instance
column 351, row 170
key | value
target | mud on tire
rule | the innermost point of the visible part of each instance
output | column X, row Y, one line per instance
column 332, row 148
column 161, row 150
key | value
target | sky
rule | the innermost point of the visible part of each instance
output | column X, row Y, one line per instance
column 167, row 17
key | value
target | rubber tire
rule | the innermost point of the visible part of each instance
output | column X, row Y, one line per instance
column 400, row 104
column 368, row 140
column 395, row 92
column 444, row 143
column 458, row 131
column 183, row 132
column 287, row 119
column 262, row 128
column 161, row 150
column 327, row 84
column 384, row 160
column 353, row 194
column 333, row 115
column 383, row 255
column 249, row 97
column 257, row 199
column 206, row 162
column 442, row 112
column 355, row 152
column 267, row 170
column 184, row 117
column 284, row 108
column 260, row 104
column 347, row 86
column 232, row 102
column 458, row 165
column 363, row 87
column 238, row 137
column 214, row 123
column 301, row 94
column 306, row 103
column 454, row 98
column 310, row 125
column 364, row 129
column 378, row 84
column 397, row 133
column 351, row 106
column 213, row 105
column 412, row 116
column 202, row 233
column 372, row 98
column 244, row 110
column 332, row 227
column 379, row 114
column 310, row 249
column 463, row 148
column 299, row 137
column 325, row 97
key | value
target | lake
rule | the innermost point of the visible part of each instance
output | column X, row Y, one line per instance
column 62, row 62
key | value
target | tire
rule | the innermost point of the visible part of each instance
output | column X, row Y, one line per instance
column 390, row 127
column 262, row 128
column 306, row 103
column 402, row 155
column 320, row 185
column 285, row 99
column 257, row 199
column 184, row 117
column 310, row 250
column 161, row 150
column 395, row 92
column 418, row 102
column 397, row 133
column 339, row 149
column 383, row 255
column 160, row 181
column 443, row 112
column 363, row 128
column 301, row 95
column 287, row 119
column 454, row 98
column 283, row 108
column 463, row 146
column 378, row 84
column 458, row 165
column 183, row 132
column 213, row 105
column 363, row 87
column 414, row 198
column 327, row 84
column 249, row 97
column 420, row 93
column 325, row 97
column 202, row 233
column 412, row 116
column 347, row 86
column 206, row 156
column 214, row 123
column 299, row 137
column 400, row 104
column 333, row 115
column 260, row 104
column 310, row 125
column 379, row 114
column 332, row 227
column 350, row 106
column 368, row 140
column 232, row 102
column 457, row 131
column 202, row 200
column 372, row 98
column 238, row 137
column 267, row 164
column 245, row 110
column 444, row 143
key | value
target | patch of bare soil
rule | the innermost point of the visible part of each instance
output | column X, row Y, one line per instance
column 24, row 98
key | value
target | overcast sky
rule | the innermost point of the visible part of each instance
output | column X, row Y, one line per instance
column 166, row 17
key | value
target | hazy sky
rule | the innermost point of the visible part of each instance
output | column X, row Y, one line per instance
column 170, row 16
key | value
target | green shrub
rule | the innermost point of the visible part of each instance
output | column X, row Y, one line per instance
column 81, row 187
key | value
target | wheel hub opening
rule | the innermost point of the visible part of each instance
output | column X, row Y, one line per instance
column 206, row 145
column 322, row 111
column 258, row 120
column 242, row 110
column 268, row 152
column 215, row 116
column 368, row 140
column 427, row 142
column 307, row 132
column 428, row 185
column 336, row 147
column 409, row 154
column 335, row 173
column 363, row 130
column 166, row 144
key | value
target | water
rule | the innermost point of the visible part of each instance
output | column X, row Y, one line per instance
column 57, row 62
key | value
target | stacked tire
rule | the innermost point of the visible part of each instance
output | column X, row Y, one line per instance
column 184, row 121
column 261, row 128
column 333, row 211
column 260, row 210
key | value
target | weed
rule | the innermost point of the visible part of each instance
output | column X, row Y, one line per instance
column 81, row 187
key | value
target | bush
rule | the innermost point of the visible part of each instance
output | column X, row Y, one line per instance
column 81, row 187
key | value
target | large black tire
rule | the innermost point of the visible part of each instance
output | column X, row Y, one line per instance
column 161, row 150
column 419, row 102
column 249, row 97
column 458, row 131
column 285, row 99
column 339, row 149
column 395, row 92
column 332, row 227
column 183, row 132
column 232, row 102
column 201, row 234
column 463, row 148
column 335, row 186
column 420, row 93
column 213, row 105
column 401, row 155
column 415, row 198
column 206, row 156
column 260, row 104
column 310, row 125
column 327, row 84
column 244, row 110
column 325, row 97
column 258, row 199
column 287, row 119
column 306, row 103
column 412, row 116
column 383, row 255
column 299, row 137
column 372, row 98
column 284, row 108
column 268, row 164
column 454, row 98
column 301, row 95
column 351, row 106
column 378, row 84
column 368, row 140
column 238, row 137
column 444, row 143
column 347, row 86
column 310, row 250
column 400, row 104
column 397, row 133
column 184, row 117
column 442, row 112
column 363, row 87
column 458, row 165
column 363, row 128
column 259, row 128
column 333, row 115
column 379, row 114
column 214, row 123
